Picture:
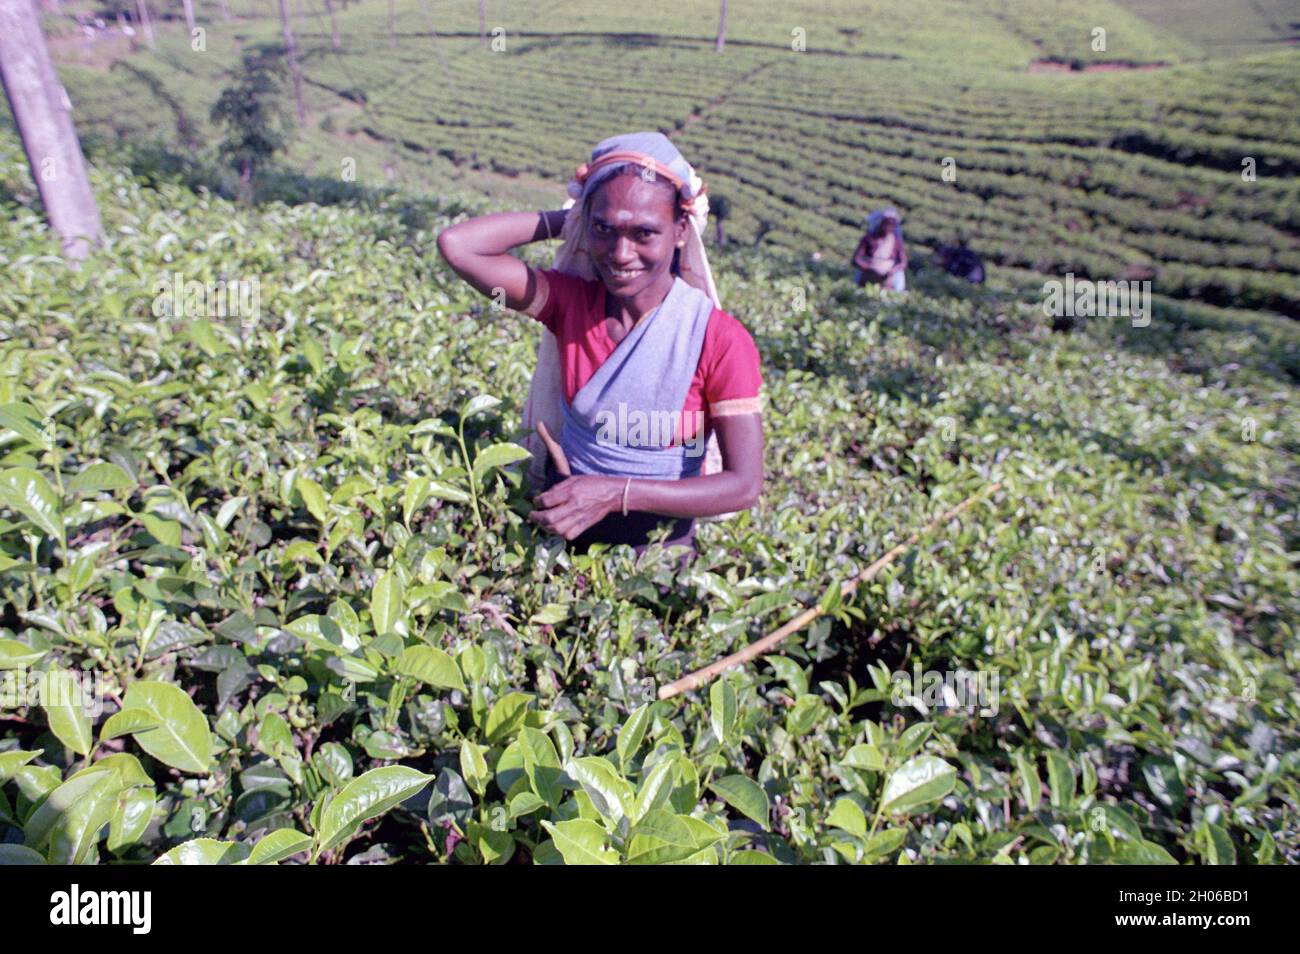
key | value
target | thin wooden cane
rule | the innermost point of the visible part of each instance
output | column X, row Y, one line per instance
column 706, row 675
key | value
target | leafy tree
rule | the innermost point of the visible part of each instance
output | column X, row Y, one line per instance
column 250, row 112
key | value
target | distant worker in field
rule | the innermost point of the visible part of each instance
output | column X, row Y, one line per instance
column 959, row 260
column 881, row 256
column 639, row 368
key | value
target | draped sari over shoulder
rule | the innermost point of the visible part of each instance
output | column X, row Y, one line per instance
column 616, row 423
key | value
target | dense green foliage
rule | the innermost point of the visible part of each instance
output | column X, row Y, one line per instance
column 292, row 543
column 814, row 114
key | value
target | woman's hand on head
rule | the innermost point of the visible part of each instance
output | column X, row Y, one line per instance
column 577, row 503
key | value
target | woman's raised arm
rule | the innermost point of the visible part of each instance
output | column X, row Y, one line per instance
column 478, row 250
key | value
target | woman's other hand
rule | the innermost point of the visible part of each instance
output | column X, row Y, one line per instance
column 577, row 503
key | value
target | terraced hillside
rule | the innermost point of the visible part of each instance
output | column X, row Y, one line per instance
column 966, row 116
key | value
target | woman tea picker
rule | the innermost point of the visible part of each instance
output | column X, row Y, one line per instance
column 647, row 367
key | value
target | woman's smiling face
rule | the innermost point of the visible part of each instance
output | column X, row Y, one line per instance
column 632, row 232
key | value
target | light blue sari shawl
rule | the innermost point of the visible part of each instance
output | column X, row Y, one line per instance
column 623, row 421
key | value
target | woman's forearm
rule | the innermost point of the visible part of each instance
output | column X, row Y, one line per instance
column 499, row 232
column 726, row 492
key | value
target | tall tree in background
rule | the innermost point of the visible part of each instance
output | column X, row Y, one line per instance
column 146, row 22
column 188, row 6
column 291, row 54
column 249, row 112
column 722, row 28
column 43, row 115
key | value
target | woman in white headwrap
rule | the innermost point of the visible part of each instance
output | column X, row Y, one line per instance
column 646, row 366
column 881, row 255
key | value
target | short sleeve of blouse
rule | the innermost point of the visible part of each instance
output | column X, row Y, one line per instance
column 556, row 290
column 732, row 378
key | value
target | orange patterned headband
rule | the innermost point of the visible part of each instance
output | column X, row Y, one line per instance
column 626, row 155
column 691, row 206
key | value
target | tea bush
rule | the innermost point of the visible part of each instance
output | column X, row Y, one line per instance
column 292, row 548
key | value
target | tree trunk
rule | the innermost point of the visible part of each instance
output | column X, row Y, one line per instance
column 43, row 116
column 225, row 10
column 188, row 6
column 722, row 28
column 334, row 25
column 392, row 29
column 482, row 22
column 291, row 52
column 146, row 22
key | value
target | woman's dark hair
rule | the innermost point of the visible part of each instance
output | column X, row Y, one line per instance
column 633, row 169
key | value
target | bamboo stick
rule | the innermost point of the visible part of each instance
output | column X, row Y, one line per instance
column 706, row 675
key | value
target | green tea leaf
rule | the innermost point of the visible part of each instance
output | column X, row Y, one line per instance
column 473, row 766
column 206, row 851
column 27, row 492
column 167, row 532
column 610, row 793
column 16, row 655
column 847, row 814
column 1031, row 786
column 924, row 779
column 477, row 405
column 366, row 797
column 313, row 498
column 431, row 666
column 497, row 456
column 100, row 477
column 127, row 721
column 722, row 710
column 66, row 711
column 661, row 838
column 506, row 716
column 1060, row 780
column 884, row 843
column 14, row 759
column 632, row 733
column 25, row 421
column 131, row 817
column 865, row 757
column 277, row 846
column 386, row 602
column 19, row 855
column 182, row 738
column 744, row 795
column 581, row 842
